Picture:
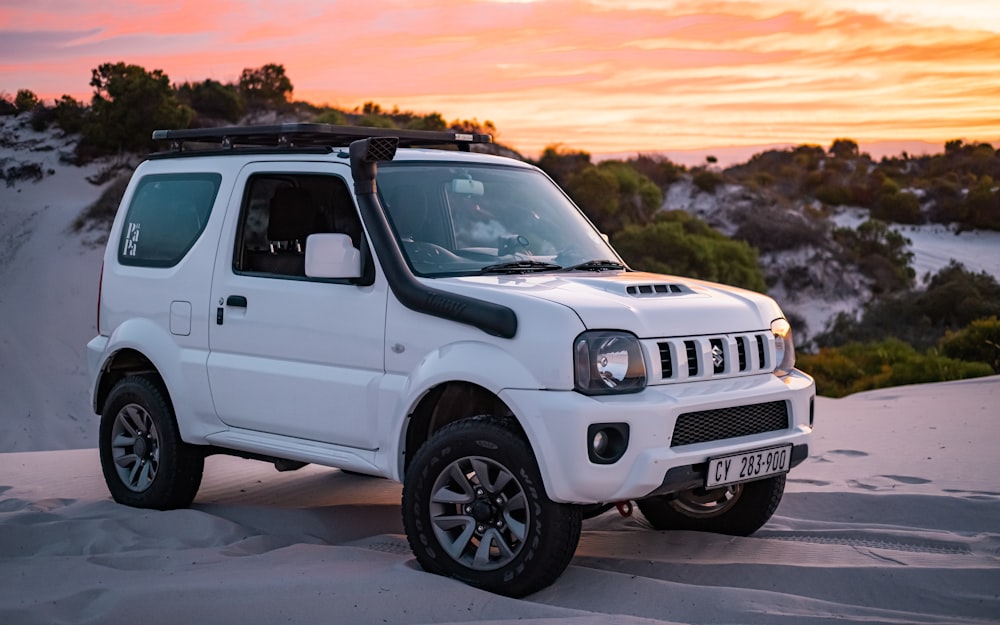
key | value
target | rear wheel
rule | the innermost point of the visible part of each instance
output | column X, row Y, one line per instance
column 737, row 510
column 474, row 508
column 145, row 462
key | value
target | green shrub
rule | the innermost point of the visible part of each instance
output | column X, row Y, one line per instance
column 331, row 116
column 6, row 106
column 977, row 342
column 613, row 194
column 97, row 217
column 769, row 229
column 431, row 121
column 880, row 253
column 953, row 298
column 898, row 207
column 128, row 104
column 25, row 100
column 856, row 367
column 706, row 180
column 680, row 244
column 69, row 114
column 213, row 100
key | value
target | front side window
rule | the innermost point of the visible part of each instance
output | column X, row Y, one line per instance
column 167, row 214
column 460, row 219
column 280, row 211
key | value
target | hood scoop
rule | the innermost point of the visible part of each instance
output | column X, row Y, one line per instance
column 657, row 290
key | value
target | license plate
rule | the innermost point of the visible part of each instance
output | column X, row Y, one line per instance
column 747, row 466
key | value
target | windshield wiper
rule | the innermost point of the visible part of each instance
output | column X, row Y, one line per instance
column 596, row 265
column 519, row 266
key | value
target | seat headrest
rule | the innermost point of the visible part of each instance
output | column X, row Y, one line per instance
column 294, row 215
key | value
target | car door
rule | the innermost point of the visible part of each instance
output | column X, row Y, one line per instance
column 291, row 355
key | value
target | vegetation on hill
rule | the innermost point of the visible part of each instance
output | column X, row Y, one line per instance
column 776, row 205
column 947, row 330
column 960, row 185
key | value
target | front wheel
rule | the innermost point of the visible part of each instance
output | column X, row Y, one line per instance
column 474, row 508
column 145, row 462
column 737, row 510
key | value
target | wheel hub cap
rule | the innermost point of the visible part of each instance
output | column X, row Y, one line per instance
column 479, row 513
column 483, row 511
column 135, row 447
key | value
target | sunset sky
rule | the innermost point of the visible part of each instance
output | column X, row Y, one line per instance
column 598, row 75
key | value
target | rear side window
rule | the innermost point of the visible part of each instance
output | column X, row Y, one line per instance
column 167, row 214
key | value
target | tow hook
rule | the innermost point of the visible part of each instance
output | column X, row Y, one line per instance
column 624, row 508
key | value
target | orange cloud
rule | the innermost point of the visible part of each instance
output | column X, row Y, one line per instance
column 598, row 75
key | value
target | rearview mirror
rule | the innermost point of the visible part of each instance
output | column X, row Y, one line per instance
column 467, row 186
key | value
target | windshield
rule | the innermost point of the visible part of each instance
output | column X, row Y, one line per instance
column 456, row 219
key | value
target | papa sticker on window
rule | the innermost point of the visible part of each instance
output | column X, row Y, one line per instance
column 131, row 239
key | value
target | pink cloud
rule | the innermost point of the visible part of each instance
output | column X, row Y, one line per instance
column 547, row 71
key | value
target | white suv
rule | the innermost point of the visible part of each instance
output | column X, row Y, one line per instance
column 305, row 293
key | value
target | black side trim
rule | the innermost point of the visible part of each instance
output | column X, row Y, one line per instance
column 491, row 318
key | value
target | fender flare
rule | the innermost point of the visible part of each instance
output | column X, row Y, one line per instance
column 152, row 341
column 455, row 362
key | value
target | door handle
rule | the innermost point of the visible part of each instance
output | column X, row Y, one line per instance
column 236, row 301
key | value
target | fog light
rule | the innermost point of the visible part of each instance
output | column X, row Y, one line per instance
column 608, row 442
column 600, row 442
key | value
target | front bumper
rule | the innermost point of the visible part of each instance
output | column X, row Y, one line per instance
column 556, row 423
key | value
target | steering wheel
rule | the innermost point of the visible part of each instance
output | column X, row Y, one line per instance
column 427, row 253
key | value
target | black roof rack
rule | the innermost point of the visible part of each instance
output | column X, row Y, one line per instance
column 306, row 135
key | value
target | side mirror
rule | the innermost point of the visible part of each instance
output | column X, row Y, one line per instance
column 332, row 256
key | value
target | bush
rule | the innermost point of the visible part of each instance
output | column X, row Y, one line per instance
column 213, row 100
column 659, row 169
column 129, row 103
column 880, row 253
column 898, row 207
column 977, row 342
column 69, row 114
column 99, row 215
column 431, row 121
column 952, row 299
column 23, row 171
column 706, row 180
column 330, row 116
column 613, row 194
column 856, row 367
column 680, row 244
column 25, row 100
column 771, row 229
column 42, row 117
column 6, row 106
column 266, row 88
column 561, row 163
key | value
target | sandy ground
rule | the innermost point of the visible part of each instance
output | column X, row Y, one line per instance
column 895, row 518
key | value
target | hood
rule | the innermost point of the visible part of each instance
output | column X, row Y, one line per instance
column 646, row 304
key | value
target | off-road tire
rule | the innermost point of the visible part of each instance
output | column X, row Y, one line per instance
column 145, row 462
column 475, row 509
column 738, row 510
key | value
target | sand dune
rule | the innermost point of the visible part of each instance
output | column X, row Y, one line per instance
column 894, row 519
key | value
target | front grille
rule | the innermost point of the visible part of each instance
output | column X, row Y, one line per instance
column 691, row 348
column 723, row 423
column 688, row 359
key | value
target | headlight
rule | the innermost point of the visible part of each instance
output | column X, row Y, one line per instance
column 608, row 362
column 784, row 347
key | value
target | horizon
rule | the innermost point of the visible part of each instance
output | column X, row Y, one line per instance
column 603, row 77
